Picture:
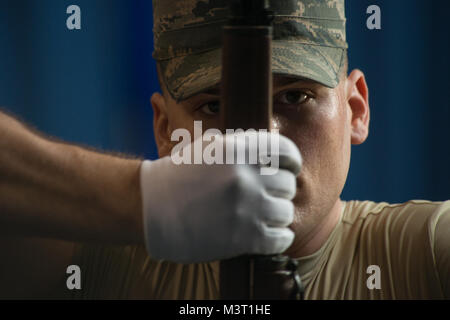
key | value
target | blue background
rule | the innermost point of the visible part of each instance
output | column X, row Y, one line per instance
column 93, row 86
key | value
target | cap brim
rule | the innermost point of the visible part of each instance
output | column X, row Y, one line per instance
column 189, row 75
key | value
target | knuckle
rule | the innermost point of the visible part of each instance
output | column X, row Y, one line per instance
column 242, row 178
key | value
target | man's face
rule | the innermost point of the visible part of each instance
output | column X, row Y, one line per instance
column 321, row 122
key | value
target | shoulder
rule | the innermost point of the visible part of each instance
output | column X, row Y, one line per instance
column 440, row 236
column 413, row 209
column 410, row 241
column 416, row 223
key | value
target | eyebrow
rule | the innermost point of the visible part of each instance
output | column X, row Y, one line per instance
column 215, row 91
column 284, row 81
column 277, row 81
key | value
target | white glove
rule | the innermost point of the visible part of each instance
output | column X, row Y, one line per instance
column 201, row 213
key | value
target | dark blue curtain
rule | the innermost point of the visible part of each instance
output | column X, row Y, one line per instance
column 93, row 86
column 407, row 66
column 90, row 86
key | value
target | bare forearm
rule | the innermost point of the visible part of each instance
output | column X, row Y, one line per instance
column 56, row 190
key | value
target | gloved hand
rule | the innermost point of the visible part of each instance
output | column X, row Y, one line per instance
column 201, row 213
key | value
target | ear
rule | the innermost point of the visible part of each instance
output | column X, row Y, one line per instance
column 161, row 124
column 358, row 101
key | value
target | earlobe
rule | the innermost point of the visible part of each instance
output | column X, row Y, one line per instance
column 358, row 101
column 161, row 124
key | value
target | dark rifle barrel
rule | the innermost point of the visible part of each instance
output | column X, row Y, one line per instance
column 246, row 78
column 246, row 103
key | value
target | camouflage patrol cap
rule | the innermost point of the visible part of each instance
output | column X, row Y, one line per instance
column 309, row 41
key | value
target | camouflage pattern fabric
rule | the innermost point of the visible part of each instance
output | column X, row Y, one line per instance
column 309, row 41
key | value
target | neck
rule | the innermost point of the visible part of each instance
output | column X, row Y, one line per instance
column 317, row 237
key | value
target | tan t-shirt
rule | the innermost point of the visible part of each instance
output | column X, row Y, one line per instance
column 406, row 246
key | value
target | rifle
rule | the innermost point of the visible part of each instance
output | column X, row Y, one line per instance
column 246, row 103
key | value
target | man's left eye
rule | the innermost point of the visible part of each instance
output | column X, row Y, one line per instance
column 293, row 97
column 211, row 108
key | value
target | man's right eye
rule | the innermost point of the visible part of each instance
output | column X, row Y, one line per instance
column 211, row 108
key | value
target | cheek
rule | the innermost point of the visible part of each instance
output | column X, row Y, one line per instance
column 320, row 133
column 330, row 147
column 179, row 118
